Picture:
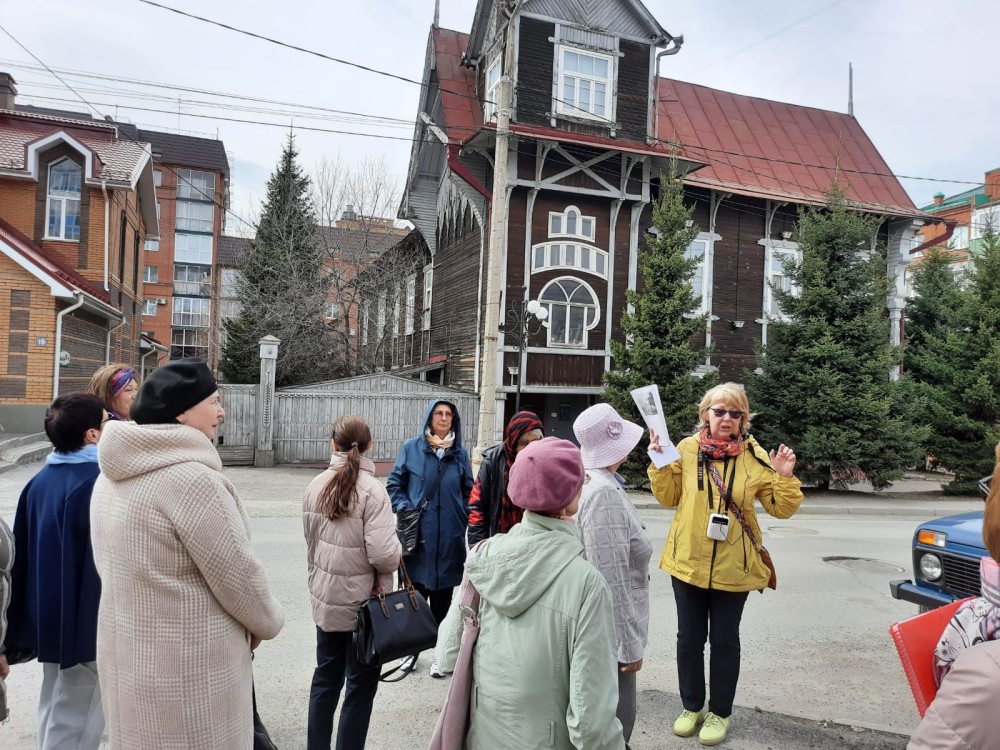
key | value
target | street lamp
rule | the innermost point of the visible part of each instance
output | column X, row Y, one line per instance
column 524, row 319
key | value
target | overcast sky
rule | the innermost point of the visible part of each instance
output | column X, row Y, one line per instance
column 923, row 89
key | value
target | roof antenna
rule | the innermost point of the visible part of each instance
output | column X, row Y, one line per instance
column 437, row 13
column 850, row 89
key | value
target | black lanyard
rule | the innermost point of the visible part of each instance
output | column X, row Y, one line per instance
column 727, row 498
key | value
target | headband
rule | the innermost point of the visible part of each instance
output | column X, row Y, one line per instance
column 121, row 379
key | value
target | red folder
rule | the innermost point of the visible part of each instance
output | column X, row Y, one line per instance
column 915, row 639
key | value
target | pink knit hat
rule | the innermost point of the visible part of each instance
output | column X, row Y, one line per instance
column 546, row 476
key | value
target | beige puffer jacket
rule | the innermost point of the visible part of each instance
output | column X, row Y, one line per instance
column 343, row 555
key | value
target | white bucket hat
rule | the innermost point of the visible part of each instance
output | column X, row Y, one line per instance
column 605, row 438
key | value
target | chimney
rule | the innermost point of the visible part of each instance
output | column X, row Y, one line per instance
column 992, row 187
column 8, row 91
column 938, row 199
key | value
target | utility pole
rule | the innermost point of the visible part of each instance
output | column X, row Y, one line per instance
column 497, row 252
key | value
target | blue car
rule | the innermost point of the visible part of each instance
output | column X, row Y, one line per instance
column 946, row 555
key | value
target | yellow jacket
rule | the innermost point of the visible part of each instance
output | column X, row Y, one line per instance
column 732, row 565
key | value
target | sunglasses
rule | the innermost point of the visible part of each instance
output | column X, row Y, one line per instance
column 442, row 414
column 734, row 413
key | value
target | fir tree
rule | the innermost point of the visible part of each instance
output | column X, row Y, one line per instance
column 823, row 386
column 661, row 328
column 953, row 357
column 282, row 289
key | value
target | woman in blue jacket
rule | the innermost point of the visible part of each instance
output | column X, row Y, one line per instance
column 436, row 565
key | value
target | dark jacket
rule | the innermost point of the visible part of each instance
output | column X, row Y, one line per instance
column 439, row 559
column 490, row 510
column 55, row 586
column 486, row 499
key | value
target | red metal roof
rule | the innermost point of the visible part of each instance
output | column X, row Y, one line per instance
column 48, row 264
column 751, row 146
column 773, row 150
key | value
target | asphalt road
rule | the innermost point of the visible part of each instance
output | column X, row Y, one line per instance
column 818, row 671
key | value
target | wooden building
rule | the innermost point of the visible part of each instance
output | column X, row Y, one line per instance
column 593, row 126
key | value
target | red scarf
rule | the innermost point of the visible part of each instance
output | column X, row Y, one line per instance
column 718, row 449
column 520, row 423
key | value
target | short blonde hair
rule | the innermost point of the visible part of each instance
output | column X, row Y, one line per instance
column 730, row 394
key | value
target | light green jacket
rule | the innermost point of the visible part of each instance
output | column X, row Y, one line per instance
column 544, row 666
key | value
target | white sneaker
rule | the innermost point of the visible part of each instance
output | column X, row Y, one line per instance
column 436, row 670
column 408, row 663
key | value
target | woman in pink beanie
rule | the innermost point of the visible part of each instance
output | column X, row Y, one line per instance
column 544, row 664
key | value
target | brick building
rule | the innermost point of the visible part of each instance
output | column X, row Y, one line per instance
column 77, row 203
column 192, row 188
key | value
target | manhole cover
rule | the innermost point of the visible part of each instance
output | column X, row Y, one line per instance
column 864, row 565
column 792, row 530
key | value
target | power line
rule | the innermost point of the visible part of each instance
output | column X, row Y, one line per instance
column 120, row 131
column 300, row 49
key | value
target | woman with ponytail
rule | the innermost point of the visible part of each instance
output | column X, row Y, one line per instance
column 350, row 537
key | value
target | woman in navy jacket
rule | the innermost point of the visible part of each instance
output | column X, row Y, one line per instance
column 436, row 565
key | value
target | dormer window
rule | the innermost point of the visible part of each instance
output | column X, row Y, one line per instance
column 63, row 209
column 585, row 84
column 492, row 89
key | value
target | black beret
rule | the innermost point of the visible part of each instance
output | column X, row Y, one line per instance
column 171, row 390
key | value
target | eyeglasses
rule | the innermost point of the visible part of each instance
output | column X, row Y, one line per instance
column 734, row 413
column 443, row 414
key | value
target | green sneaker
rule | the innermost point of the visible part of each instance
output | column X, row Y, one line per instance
column 688, row 722
column 714, row 730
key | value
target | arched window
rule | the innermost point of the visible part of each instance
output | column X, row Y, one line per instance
column 63, row 210
column 573, row 310
column 571, row 223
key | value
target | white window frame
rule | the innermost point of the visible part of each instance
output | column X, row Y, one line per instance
column 192, row 333
column 365, row 314
column 149, row 308
column 562, row 106
column 771, row 249
column 198, row 310
column 199, row 255
column 542, row 257
column 491, row 90
column 395, row 311
column 559, row 223
column 410, row 303
column 157, row 177
column 193, row 216
column 196, row 184
column 150, row 275
column 428, row 296
column 547, row 323
column 229, row 283
column 380, row 315
column 705, row 268
column 59, row 203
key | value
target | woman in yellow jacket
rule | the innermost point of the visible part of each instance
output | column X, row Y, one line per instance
column 712, row 551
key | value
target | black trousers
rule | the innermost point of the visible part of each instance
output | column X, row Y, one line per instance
column 438, row 599
column 713, row 615
column 334, row 663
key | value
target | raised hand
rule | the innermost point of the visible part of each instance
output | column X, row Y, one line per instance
column 783, row 461
column 654, row 441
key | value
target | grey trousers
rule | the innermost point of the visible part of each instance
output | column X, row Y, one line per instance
column 626, row 702
column 70, row 714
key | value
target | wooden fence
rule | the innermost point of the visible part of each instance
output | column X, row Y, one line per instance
column 304, row 416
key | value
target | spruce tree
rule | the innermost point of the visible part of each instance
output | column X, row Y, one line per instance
column 282, row 289
column 953, row 356
column 934, row 351
column 823, row 385
column 661, row 329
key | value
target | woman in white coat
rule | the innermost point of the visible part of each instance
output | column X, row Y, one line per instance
column 184, row 598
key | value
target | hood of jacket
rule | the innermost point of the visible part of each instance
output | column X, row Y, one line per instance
column 516, row 568
column 128, row 450
column 456, row 419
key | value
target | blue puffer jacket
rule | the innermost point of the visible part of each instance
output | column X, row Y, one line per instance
column 439, row 560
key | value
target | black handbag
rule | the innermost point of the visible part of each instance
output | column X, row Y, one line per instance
column 408, row 520
column 261, row 739
column 394, row 625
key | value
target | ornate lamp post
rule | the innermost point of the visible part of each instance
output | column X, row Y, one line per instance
column 524, row 320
